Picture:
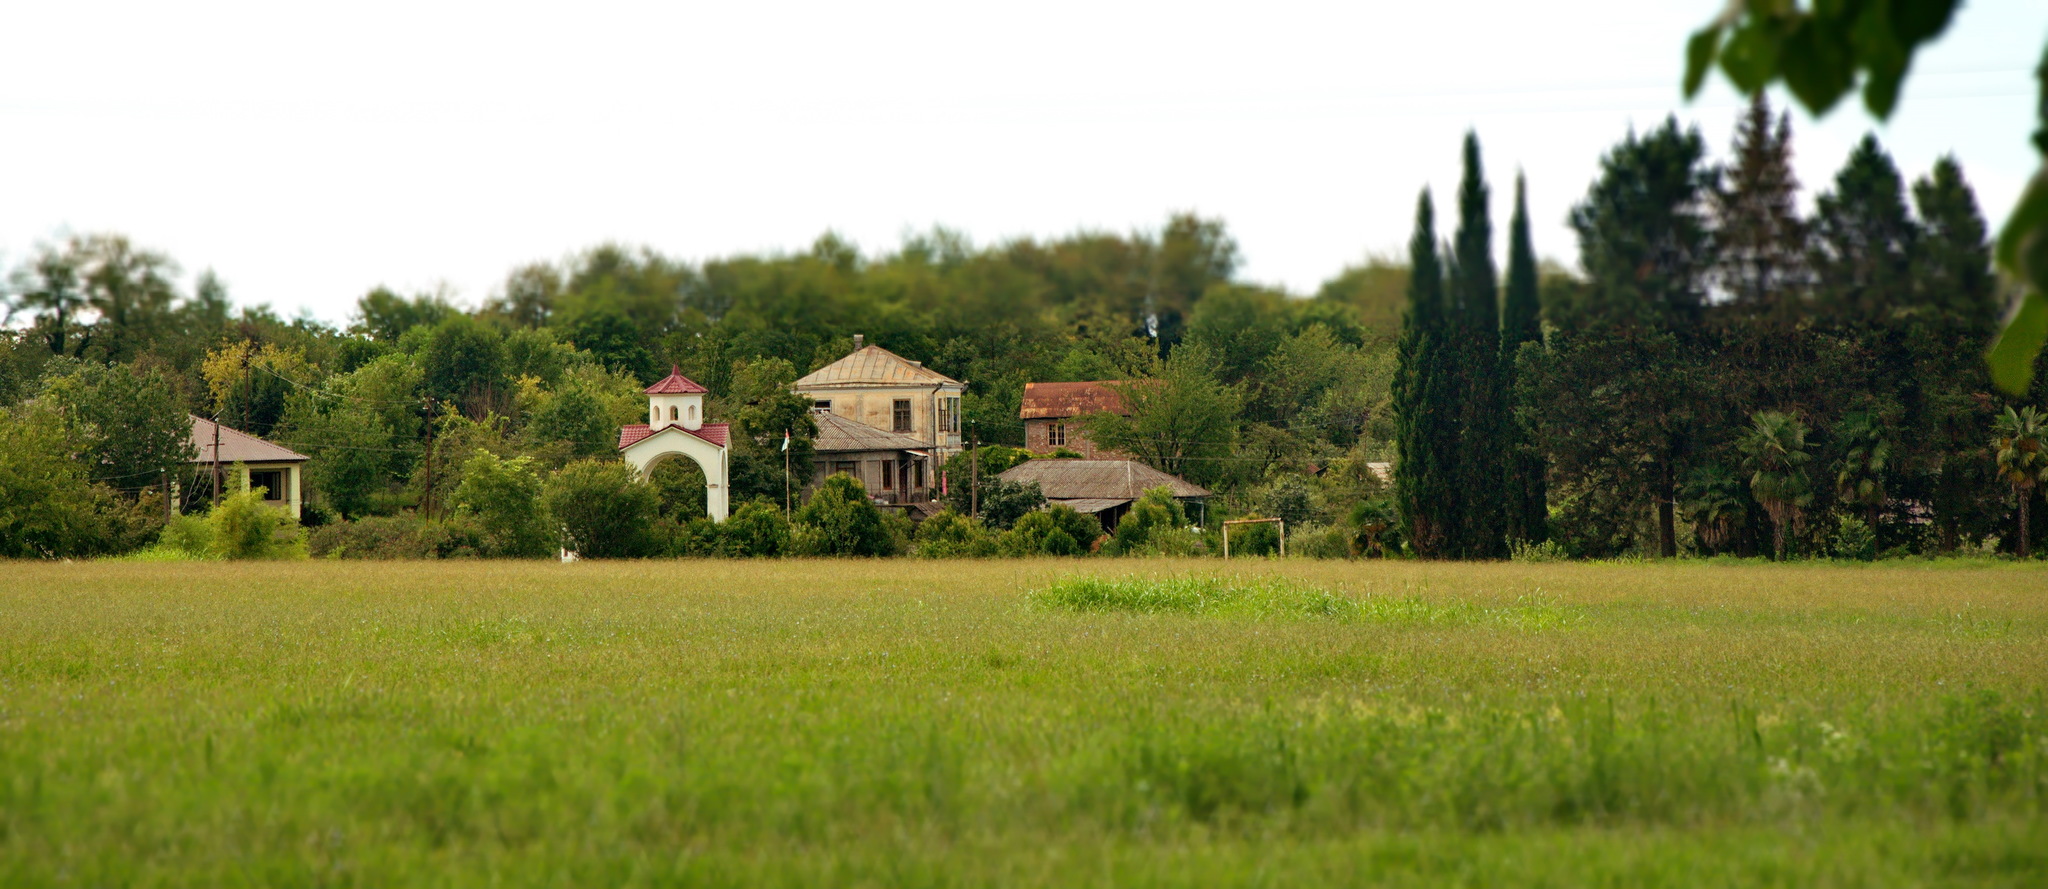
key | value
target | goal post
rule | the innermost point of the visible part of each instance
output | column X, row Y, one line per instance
column 1226, row 532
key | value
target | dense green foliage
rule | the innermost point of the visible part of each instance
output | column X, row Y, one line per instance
column 604, row 512
column 1822, row 50
column 505, row 498
column 1055, row 723
column 840, row 520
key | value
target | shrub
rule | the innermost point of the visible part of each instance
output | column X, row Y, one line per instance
column 1059, row 531
column 602, row 509
column 952, row 535
column 1546, row 551
column 241, row 527
column 697, row 538
column 189, row 534
column 504, row 497
column 840, row 520
column 403, row 536
column 755, row 530
column 1319, row 542
column 1853, row 539
column 1156, row 510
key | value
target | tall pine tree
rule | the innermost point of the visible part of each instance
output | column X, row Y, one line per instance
column 1864, row 239
column 1761, row 263
column 1527, row 496
column 1425, row 425
column 1479, row 400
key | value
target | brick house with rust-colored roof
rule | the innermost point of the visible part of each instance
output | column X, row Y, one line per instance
column 1056, row 416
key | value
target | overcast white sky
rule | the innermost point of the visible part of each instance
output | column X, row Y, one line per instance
column 308, row 154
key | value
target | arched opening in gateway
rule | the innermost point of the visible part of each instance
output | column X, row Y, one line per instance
column 679, row 487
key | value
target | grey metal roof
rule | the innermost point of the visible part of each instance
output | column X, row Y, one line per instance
column 237, row 446
column 873, row 366
column 837, row 433
column 1098, row 479
column 1090, row 505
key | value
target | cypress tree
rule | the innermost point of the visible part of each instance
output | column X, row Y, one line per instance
column 1424, row 427
column 1478, row 400
column 1527, row 504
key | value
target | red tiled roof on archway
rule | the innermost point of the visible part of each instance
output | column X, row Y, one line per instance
column 716, row 433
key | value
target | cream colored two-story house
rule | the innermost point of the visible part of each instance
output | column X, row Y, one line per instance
column 881, row 389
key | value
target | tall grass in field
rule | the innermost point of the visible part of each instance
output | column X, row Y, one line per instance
column 1021, row 723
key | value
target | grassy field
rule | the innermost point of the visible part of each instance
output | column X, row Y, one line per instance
column 1019, row 723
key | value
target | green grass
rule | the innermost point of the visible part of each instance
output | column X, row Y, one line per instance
column 1022, row 723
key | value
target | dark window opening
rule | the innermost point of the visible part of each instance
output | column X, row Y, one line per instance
column 1056, row 434
column 888, row 476
column 272, row 481
column 822, row 404
column 902, row 415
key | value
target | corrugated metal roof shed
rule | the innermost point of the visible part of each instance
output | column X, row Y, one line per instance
column 873, row 366
column 1059, row 400
column 1098, row 479
column 836, row 433
column 237, row 446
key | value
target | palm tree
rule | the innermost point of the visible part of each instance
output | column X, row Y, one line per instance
column 1859, row 477
column 1713, row 500
column 2021, row 444
column 1774, row 452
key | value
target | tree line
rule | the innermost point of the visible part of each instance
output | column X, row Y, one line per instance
column 1728, row 374
column 1611, row 409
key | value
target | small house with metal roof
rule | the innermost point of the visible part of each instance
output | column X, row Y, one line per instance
column 254, row 462
column 1102, row 488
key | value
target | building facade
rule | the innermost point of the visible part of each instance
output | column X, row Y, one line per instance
column 895, row 468
column 1056, row 416
column 882, row 390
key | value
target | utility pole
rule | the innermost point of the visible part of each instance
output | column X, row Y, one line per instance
column 216, row 458
column 427, row 497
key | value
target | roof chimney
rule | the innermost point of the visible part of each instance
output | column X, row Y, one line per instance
column 858, row 340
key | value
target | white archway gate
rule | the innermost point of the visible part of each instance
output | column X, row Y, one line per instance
column 676, row 428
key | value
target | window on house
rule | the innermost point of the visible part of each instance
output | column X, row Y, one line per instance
column 917, row 474
column 902, row 415
column 1056, row 435
column 888, row 476
column 822, row 404
column 271, row 480
column 671, row 413
column 949, row 415
column 693, row 413
column 852, row 469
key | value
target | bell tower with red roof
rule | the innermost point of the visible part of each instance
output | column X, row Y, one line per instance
column 675, row 400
